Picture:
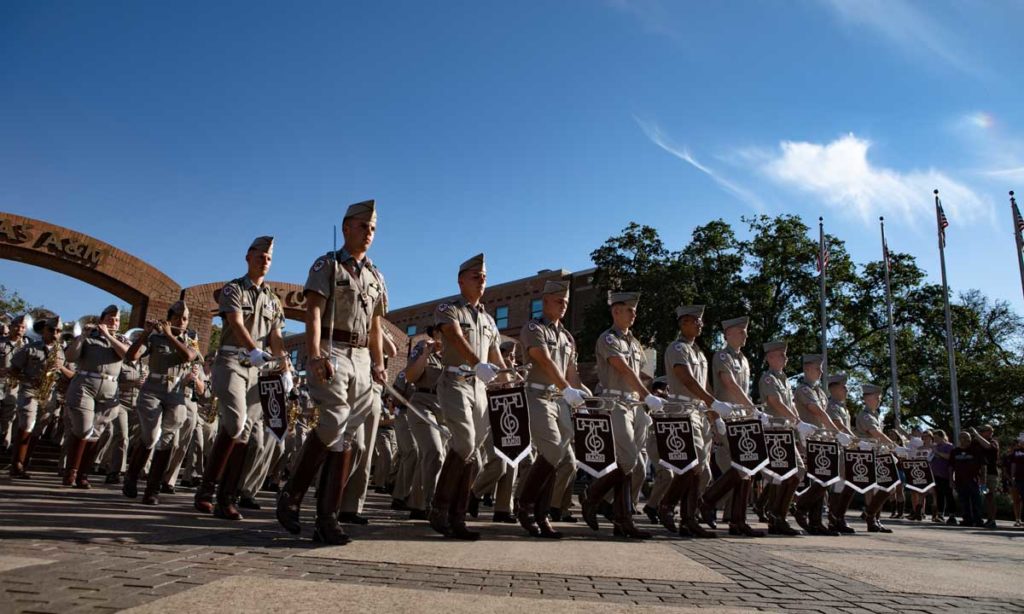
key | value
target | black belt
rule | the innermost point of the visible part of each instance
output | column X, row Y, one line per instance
column 348, row 338
column 425, row 390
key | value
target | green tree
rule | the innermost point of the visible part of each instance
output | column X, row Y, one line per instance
column 11, row 302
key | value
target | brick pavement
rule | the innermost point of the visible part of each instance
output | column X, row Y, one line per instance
column 109, row 554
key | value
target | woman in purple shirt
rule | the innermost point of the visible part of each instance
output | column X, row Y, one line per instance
column 945, row 505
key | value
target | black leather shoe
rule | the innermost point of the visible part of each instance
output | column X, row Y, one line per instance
column 352, row 518
column 248, row 503
column 417, row 515
column 652, row 514
column 474, row 505
column 504, row 518
column 167, row 489
column 114, row 477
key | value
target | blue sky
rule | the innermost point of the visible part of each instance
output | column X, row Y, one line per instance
column 529, row 130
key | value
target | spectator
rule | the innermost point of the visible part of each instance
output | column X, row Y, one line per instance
column 1016, row 471
column 945, row 504
column 967, row 469
column 986, row 440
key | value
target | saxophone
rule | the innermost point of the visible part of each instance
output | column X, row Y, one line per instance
column 49, row 377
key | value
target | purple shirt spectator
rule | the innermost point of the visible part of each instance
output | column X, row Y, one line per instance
column 940, row 466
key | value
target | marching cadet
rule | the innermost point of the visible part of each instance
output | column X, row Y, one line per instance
column 9, row 344
column 92, row 395
column 161, row 407
column 777, row 396
column 620, row 363
column 730, row 371
column 346, row 302
column 422, row 373
column 550, row 350
column 869, row 426
column 37, row 365
column 686, row 370
column 253, row 319
column 129, row 382
column 470, row 338
column 193, row 386
column 206, row 428
column 811, row 400
column 841, row 495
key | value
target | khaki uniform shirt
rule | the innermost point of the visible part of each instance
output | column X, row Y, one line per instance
column 775, row 382
column 732, row 361
column 427, row 381
column 807, row 395
column 97, row 354
column 559, row 343
column 129, row 381
column 683, row 352
column 164, row 358
column 355, row 292
column 477, row 326
column 260, row 308
column 31, row 361
column 7, row 350
column 613, row 342
column 866, row 420
column 838, row 412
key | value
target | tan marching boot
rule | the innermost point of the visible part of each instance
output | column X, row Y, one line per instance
column 313, row 454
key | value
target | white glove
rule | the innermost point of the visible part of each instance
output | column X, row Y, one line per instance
column 289, row 383
column 806, row 428
column 720, row 426
column 865, row 445
column 573, row 396
column 915, row 443
column 844, row 439
column 763, row 417
column 903, row 452
column 654, row 403
column 258, row 357
column 485, row 372
column 724, row 409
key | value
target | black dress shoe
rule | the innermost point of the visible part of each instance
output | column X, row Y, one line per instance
column 568, row 517
column 248, row 503
column 487, row 501
column 380, row 490
column 114, row 477
column 352, row 518
column 504, row 517
column 399, row 505
column 474, row 506
column 417, row 515
column 652, row 514
column 166, row 488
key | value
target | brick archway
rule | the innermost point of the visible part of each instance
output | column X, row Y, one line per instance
column 77, row 255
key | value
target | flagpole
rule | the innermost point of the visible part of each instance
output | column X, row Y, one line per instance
column 953, row 389
column 1017, row 231
column 897, row 407
column 824, row 317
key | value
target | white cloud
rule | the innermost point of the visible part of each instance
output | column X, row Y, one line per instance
column 839, row 175
column 904, row 25
column 657, row 137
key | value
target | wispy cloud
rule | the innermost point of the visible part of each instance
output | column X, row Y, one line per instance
column 659, row 138
column 839, row 175
column 998, row 153
column 909, row 28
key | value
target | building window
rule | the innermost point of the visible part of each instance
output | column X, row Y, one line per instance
column 410, row 330
column 501, row 317
column 536, row 308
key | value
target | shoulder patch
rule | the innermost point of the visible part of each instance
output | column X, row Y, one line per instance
column 532, row 326
column 609, row 339
column 678, row 346
column 723, row 356
column 319, row 264
column 228, row 290
column 442, row 307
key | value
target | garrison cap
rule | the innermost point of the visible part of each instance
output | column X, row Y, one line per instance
column 476, row 262
column 178, row 307
column 696, row 311
column 812, row 359
column 838, row 378
column 555, row 286
column 774, row 346
column 109, row 310
column 741, row 321
column 870, row 389
column 366, row 209
column 263, row 244
column 629, row 298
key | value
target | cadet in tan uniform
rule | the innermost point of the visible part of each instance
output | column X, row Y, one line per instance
column 620, row 363
column 869, row 426
column 496, row 477
column 115, row 437
column 91, row 399
column 346, row 301
column 811, row 401
column 161, row 405
column 777, row 396
column 30, row 366
column 552, row 388
column 470, row 338
column 193, row 387
column 730, row 372
column 841, row 495
column 253, row 319
column 686, row 371
column 9, row 344
column 422, row 374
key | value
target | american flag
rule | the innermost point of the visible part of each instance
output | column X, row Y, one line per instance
column 943, row 223
column 885, row 254
column 822, row 257
column 1018, row 221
